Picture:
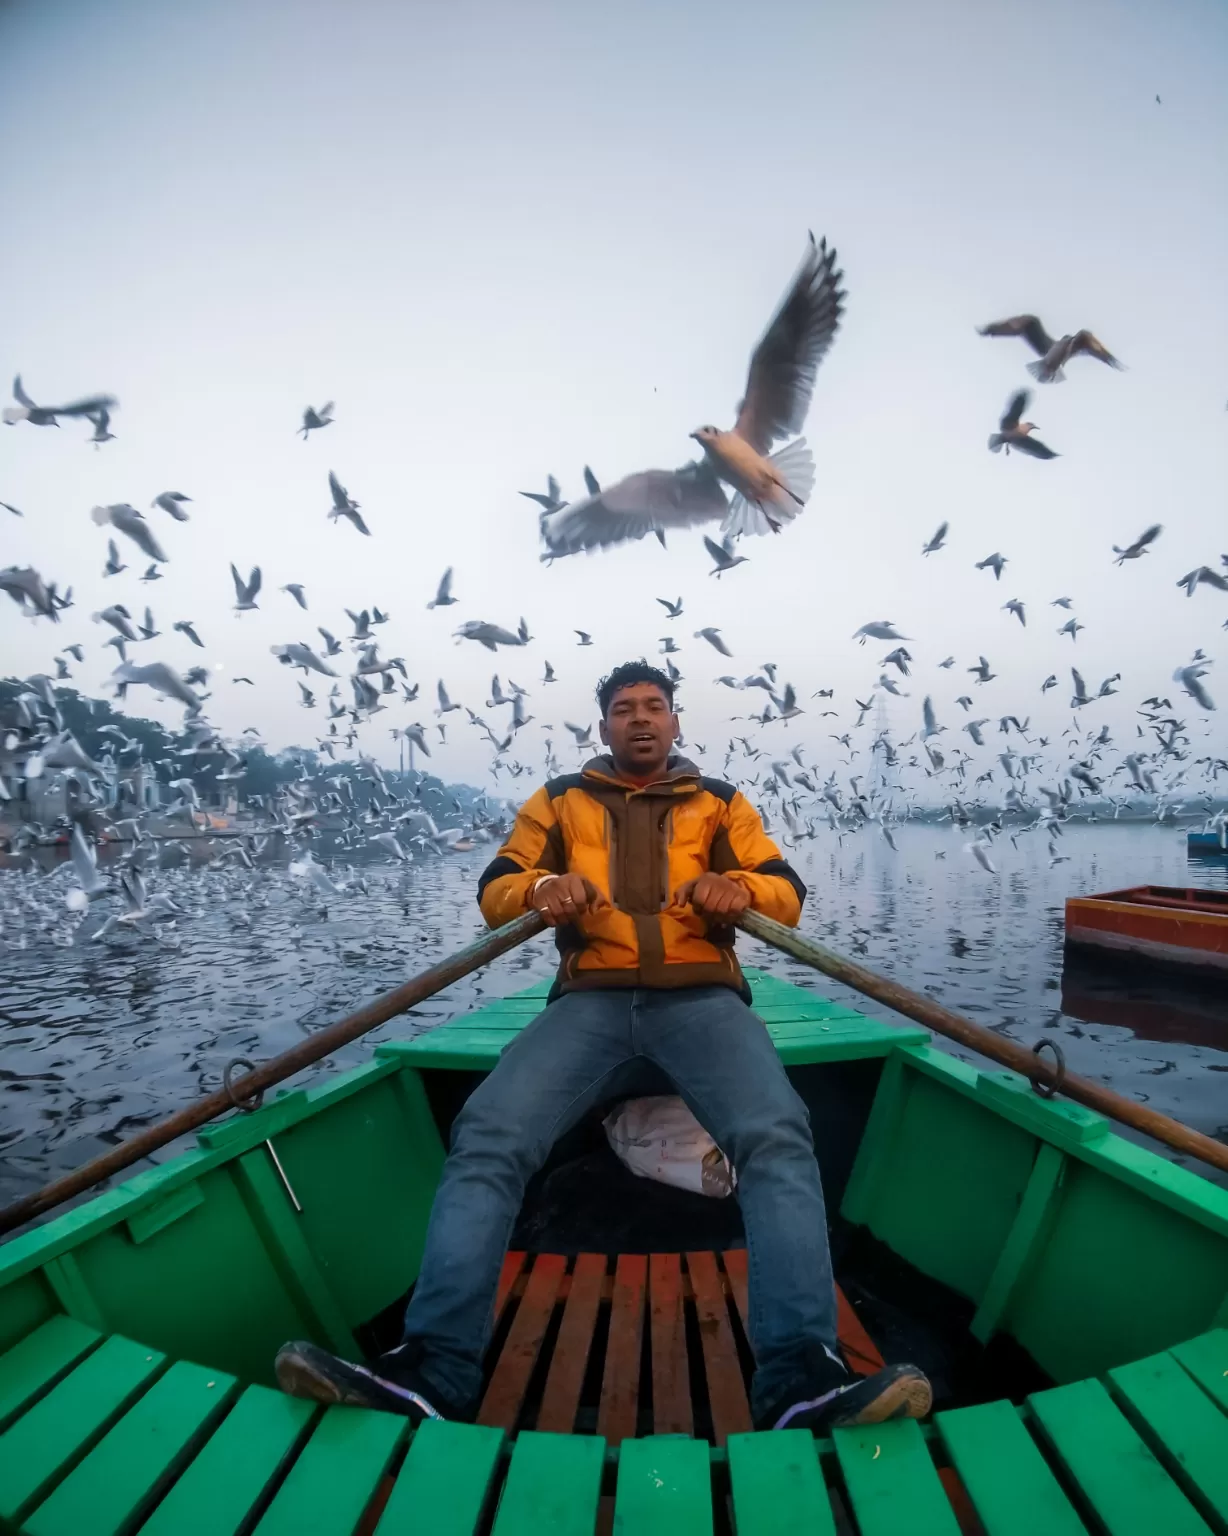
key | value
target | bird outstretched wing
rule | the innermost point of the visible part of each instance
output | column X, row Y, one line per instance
column 1015, row 407
column 20, row 395
column 1027, row 326
column 784, row 365
column 92, row 405
column 1030, row 446
column 634, row 506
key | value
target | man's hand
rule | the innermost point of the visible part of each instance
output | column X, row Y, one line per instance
column 563, row 898
column 713, row 896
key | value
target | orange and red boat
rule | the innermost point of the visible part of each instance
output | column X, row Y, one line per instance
column 1168, row 925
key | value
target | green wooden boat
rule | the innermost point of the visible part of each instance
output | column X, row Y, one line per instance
column 1066, row 1289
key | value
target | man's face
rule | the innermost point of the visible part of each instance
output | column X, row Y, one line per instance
column 640, row 728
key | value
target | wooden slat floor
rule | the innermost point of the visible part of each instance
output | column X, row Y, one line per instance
column 616, row 1400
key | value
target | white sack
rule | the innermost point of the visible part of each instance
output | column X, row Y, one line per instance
column 659, row 1138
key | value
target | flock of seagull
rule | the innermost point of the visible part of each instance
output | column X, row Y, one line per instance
column 750, row 480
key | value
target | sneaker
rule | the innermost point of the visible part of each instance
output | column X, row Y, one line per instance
column 896, row 1392
column 306, row 1370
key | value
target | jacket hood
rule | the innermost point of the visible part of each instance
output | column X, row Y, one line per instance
column 679, row 772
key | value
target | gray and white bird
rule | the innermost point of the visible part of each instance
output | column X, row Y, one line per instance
column 118, row 617
column 1203, row 575
column 313, row 420
column 47, row 415
column 172, row 502
column 674, row 609
column 723, row 554
column 1016, row 607
column 297, row 592
column 768, row 490
column 114, row 564
column 491, row 635
column 29, row 591
column 879, row 629
column 713, row 637
column 247, row 591
column 1139, row 547
column 582, row 733
column 187, row 628
column 344, row 505
column 551, row 501
column 993, row 563
column 585, row 637
column 161, row 678
column 296, row 654
column 1013, row 433
column 938, row 541
column 443, row 593
column 1190, row 679
column 1053, row 354
column 131, row 523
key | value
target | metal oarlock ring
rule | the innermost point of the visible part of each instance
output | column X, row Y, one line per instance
column 1047, row 1090
column 248, row 1105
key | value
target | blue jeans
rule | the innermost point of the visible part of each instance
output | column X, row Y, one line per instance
column 578, row 1053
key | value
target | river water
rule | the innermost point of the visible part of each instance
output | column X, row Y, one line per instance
column 98, row 1039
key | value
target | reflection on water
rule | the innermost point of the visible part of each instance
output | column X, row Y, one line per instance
column 99, row 1039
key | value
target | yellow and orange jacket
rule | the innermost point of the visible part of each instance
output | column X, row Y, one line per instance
column 637, row 844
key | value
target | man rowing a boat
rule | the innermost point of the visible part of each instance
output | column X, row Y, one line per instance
column 640, row 864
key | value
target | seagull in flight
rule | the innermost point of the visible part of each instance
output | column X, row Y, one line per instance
column 245, row 591
column 443, row 593
column 932, row 546
column 723, row 554
column 1013, row 433
column 713, row 637
column 673, row 609
column 344, row 505
column 769, row 491
column 993, row 562
column 1139, row 547
column 296, row 591
column 172, row 502
column 48, row 415
column 313, row 420
column 551, row 501
column 1053, row 354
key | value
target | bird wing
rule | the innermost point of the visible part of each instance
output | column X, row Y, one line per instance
column 356, row 518
column 20, row 395
column 1084, row 341
column 240, row 592
column 1036, row 450
column 636, row 505
column 1015, row 407
column 92, row 405
column 1149, row 536
column 1027, row 326
column 340, row 494
column 445, row 587
column 784, row 365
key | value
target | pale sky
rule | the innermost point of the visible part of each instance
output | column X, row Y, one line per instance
column 509, row 240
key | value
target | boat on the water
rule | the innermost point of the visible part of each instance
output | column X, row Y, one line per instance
column 1160, row 924
column 1065, row 1288
column 1206, row 844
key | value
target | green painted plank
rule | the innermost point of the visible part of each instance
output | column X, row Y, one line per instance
column 1116, row 1472
column 227, row 1477
column 877, row 1141
column 117, row 1479
column 281, row 1231
column 1055, row 1119
column 38, row 1359
column 1008, row 1480
column 778, row 1487
column 1206, row 1359
column 892, row 1482
column 46, row 1442
column 858, row 1047
column 552, row 1486
column 664, row 1488
column 336, row 1474
column 445, row 1482
column 1024, row 1241
column 1182, row 1425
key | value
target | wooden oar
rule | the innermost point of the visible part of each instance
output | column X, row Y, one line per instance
column 914, row 1005
column 244, row 1089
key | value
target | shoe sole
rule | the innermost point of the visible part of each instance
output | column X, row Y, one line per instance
column 908, row 1397
column 297, row 1377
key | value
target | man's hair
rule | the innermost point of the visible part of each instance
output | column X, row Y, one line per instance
column 632, row 672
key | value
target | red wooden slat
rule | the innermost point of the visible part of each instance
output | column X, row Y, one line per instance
column 671, row 1386
column 571, row 1349
column 859, row 1349
column 510, row 1378
column 513, row 1263
column 726, row 1389
column 734, row 1260
column 620, row 1383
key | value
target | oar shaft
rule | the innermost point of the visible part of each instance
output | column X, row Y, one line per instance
column 915, row 1005
column 308, row 1051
